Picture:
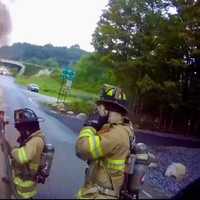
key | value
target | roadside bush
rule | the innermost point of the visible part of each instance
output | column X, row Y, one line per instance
column 81, row 106
column 56, row 74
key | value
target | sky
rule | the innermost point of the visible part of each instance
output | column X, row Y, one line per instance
column 59, row 22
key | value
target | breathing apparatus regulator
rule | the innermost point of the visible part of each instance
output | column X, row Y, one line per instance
column 27, row 123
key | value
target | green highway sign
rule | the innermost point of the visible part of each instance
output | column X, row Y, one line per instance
column 68, row 74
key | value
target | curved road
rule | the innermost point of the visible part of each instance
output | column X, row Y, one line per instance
column 67, row 170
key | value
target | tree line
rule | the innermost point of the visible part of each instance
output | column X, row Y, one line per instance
column 46, row 55
column 152, row 48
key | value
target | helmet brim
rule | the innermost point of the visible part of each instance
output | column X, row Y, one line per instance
column 112, row 102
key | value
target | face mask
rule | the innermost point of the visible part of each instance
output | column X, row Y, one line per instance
column 102, row 110
column 23, row 135
column 21, row 128
column 114, row 117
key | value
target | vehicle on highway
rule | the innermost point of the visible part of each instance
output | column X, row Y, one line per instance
column 4, row 71
column 33, row 87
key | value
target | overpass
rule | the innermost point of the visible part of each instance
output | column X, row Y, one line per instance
column 12, row 63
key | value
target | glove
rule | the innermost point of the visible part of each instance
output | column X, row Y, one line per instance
column 96, row 121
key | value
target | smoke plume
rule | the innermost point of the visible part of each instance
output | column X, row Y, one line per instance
column 5, row 24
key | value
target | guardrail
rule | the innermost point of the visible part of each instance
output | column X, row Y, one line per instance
column 12, row 62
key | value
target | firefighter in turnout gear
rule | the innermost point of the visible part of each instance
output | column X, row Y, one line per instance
column 104, row 142
column 26, row 158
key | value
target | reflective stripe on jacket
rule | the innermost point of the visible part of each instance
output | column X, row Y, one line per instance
column 26, row 161
column 106, row 153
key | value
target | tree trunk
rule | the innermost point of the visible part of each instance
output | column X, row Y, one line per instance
column 160, row 118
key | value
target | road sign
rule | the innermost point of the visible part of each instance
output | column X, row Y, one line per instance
column 68, row 74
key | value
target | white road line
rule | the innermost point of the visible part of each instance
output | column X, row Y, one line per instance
column 147, row 194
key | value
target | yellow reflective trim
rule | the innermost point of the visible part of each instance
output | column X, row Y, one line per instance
column 85, row 135
column 116, row 161
column 91, row 144
column 110, row 92
column 22, row 155
column 95, row 146
column 27, row 195
column 116, row 164
column 98, row 147
column 86, row 132
column 94, row 142
column 18, row 181
column 88, row 129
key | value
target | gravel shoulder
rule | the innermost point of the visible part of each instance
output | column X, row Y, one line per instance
column 190, row 157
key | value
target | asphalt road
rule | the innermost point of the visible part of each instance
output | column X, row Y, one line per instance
column 67, row 171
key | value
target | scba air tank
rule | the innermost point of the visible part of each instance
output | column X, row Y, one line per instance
column 138, row 165
column 46, row 163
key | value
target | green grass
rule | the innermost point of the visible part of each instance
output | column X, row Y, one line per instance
column 50, row 87
column 77, row 101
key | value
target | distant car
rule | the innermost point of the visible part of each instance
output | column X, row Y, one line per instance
column 33, row 87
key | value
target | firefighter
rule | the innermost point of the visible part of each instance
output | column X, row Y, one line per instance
column 26, row 158
column 105, row 145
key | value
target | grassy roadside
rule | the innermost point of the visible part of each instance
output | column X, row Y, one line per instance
column 47, row 85
column 77, row 100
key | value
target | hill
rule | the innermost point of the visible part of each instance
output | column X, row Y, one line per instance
column 36, row 54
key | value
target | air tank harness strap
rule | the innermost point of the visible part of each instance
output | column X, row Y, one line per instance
column 106, row 191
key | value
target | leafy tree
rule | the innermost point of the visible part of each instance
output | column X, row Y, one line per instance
column 188, row 12
column 128, row 35
column 154, row 54
column 91, row 73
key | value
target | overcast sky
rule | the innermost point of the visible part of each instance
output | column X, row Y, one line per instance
column 59, row 22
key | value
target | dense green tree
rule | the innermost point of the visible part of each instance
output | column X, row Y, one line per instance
column 91, row 73
column 153, row 53
column 189, row 13
column 128, row 34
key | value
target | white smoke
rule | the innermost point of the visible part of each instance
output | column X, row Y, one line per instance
column 5, row 24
